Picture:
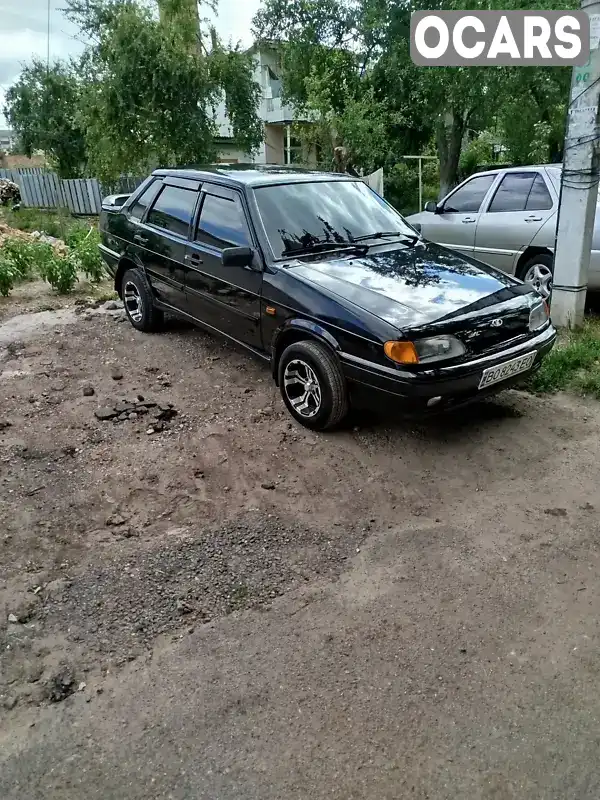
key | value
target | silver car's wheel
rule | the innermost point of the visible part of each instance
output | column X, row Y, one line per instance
column 133, row 301
column 302, row 388
column 539, row 276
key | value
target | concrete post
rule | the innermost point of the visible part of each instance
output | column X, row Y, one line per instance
column 579, row 188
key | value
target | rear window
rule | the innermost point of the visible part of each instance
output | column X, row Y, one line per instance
column 173, row 210
column 513, row 192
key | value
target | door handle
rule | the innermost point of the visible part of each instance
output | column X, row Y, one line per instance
column 193, row 258
column 140, row 239
column 467, row 220
column 533, row 219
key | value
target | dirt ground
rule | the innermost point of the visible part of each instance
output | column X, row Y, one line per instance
column 218, row 603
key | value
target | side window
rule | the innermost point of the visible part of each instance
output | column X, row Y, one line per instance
column 145, row 199
column 173, row 210
column 539, row 197
column 468, row 198
column 222, row 223
column 513, row 192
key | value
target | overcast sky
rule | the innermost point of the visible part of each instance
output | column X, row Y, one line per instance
column 24, row 32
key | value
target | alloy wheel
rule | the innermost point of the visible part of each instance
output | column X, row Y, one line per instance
column 540, row 277
column 302, row 388
column 133, row 301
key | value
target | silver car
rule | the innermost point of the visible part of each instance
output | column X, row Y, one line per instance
column 506, row 218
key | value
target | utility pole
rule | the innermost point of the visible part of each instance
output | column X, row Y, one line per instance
column 579, row 187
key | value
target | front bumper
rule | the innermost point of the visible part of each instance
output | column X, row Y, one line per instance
column 455, row 384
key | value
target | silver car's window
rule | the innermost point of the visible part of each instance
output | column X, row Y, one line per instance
column 468, row 199
column 513, row 192
column 539, row 197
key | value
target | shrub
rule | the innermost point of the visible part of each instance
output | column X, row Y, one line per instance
column 23, row 255
column 9, row 275
column 60, row 272
column 84, row 249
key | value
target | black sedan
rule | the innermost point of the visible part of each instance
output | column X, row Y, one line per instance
column 319, row 276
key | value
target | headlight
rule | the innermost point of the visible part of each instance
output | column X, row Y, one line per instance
column 424, row 351
column 539, row 316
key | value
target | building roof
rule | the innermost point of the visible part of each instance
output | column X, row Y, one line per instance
column 252, row 174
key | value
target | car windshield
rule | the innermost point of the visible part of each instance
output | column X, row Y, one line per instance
column 298, row 216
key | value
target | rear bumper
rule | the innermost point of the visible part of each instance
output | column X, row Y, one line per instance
column 454, row 384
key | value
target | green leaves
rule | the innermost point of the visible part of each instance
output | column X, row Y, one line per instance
column 42, row 108
column 141, row 96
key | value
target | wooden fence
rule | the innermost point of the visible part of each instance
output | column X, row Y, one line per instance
column 82, row 196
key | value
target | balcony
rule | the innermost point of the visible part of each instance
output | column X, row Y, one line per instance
column 274, row 111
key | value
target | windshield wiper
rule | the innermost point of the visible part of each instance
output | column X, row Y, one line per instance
column 321, row 246
column 411, row 237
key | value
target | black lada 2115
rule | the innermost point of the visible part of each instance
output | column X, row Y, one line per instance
column 319, row 276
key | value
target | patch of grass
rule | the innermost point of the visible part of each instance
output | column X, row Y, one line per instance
column 239, row 597
column 104, row 296
column 59, row 224
column 574, row 364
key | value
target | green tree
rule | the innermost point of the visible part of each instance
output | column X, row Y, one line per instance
column 360, row 51
column 151, row 84
column 42, row 108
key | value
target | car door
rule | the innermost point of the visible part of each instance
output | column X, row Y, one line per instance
column 162, row 239
column 455, row 222
column 226, row 298
column 521, row 204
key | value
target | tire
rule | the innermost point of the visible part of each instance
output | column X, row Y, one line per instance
column 537, row 272
column 310, row 363
column 139, row 303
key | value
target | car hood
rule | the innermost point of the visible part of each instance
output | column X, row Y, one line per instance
column 410, row 286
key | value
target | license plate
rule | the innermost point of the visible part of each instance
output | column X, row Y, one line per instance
column 502, row 372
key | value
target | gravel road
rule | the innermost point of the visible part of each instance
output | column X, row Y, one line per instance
column 199, row 599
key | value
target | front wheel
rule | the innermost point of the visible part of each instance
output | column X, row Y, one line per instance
column 537, row 272
column 312, row 385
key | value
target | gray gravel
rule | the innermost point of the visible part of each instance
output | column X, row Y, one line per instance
column 118, row 605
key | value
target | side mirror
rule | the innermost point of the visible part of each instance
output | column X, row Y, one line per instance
column 417, row 226
column 237, row 257
column 432, row 207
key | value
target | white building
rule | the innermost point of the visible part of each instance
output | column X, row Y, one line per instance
column 7, row 140
column 279, row 145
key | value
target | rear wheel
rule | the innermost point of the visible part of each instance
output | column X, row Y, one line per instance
column 537, row 272
column 138, row 302
column 312, row 385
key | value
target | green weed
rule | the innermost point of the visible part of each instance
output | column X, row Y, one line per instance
column 573, row 364
column 84, row 249
column 61, row 273
column 9, row 275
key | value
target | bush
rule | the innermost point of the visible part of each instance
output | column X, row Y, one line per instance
column 25, row 256
column 9, row 275
column 60, row 272
column 84, row 249
column 402, row 185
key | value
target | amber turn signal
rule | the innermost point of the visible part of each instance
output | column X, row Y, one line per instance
column 401, row 352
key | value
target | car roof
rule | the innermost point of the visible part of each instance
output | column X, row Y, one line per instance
column 252, row 174
column 525, row 168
